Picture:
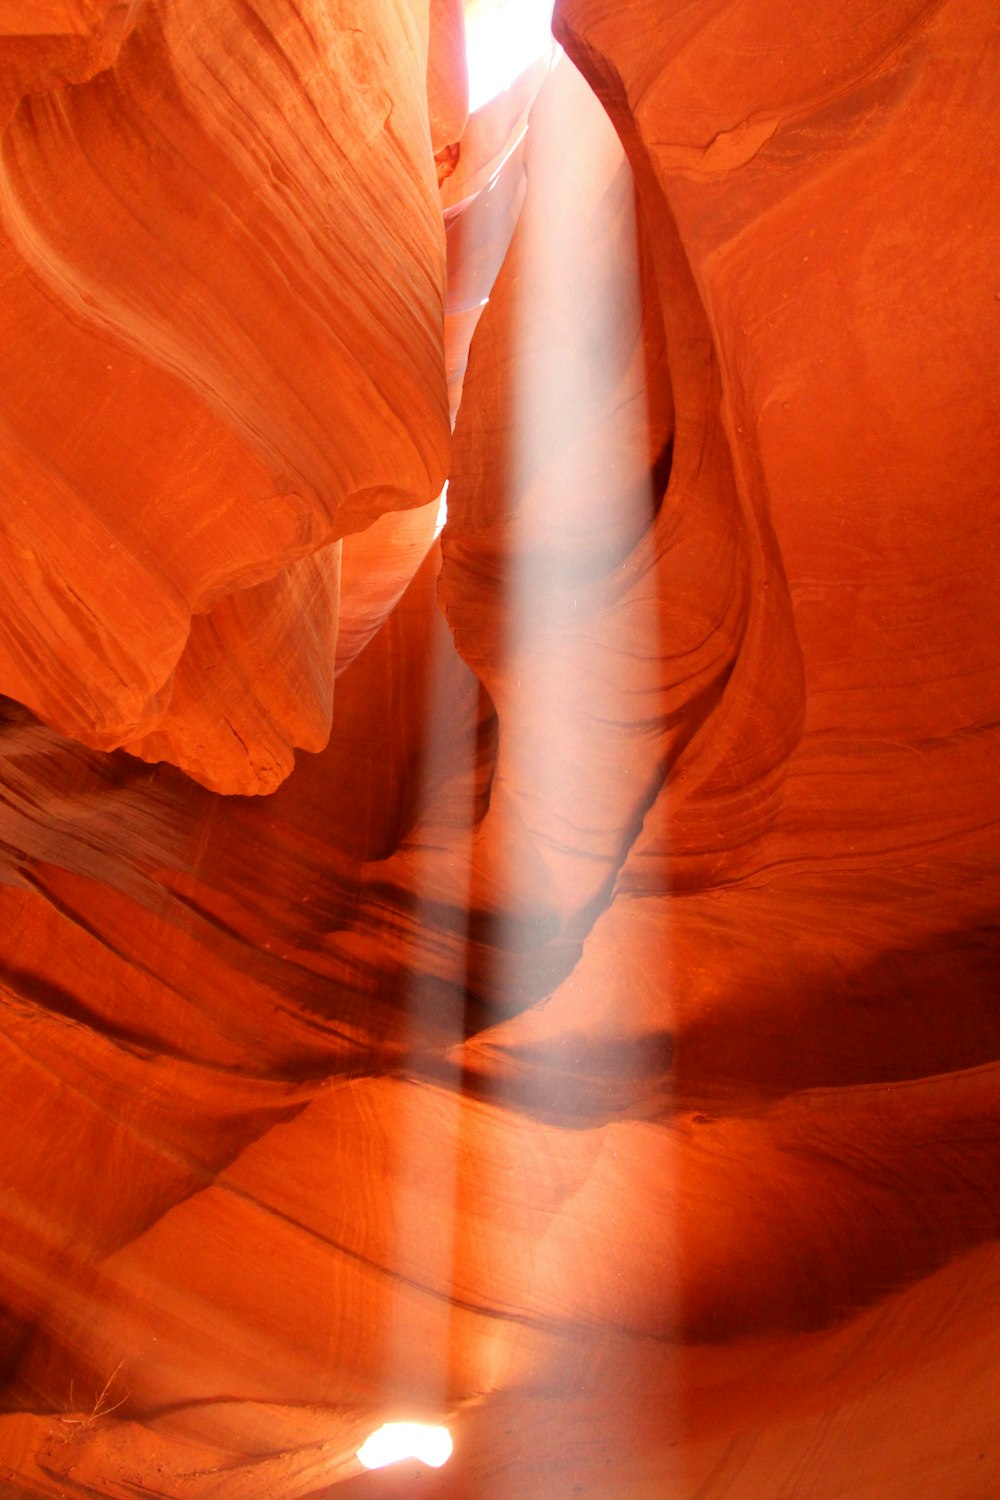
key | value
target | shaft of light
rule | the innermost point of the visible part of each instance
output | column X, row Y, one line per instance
column 503, row 37
column 398, row 1440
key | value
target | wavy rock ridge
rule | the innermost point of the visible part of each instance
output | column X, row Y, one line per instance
column 593, row 1042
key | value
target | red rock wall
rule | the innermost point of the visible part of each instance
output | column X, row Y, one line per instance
column 224, row 273
column 593, row 1043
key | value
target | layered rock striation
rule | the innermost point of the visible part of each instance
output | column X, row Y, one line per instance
column 592, row 1043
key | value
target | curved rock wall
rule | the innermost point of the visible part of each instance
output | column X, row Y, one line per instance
column 592, row 1043
column 224, row 271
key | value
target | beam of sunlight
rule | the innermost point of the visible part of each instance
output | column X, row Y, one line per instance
column 429, row 873
column 576, row 648
column 434, row 863
column 579, row 697
column 581, row 495
column 398, row 1440
column 502, row 39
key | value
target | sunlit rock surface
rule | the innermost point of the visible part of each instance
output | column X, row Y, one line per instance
column 592, row 1044
column 223, row 296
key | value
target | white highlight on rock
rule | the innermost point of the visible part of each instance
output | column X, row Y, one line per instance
column 442, row 510
column 502, row 38
column 398, row 1440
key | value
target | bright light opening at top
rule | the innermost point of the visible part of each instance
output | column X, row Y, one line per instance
column 399, row 1440
column 502, row 38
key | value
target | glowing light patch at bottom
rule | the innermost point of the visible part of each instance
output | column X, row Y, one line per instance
column 398, row 1440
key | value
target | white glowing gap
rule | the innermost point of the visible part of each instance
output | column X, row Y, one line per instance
column 442, row 510
column 502, row 38
column 396, row 1440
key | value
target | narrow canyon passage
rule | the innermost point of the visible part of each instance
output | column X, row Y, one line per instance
column 498, row 750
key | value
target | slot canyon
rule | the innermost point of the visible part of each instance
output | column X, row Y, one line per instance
column 500, row 749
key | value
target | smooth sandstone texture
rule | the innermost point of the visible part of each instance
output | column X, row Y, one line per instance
column 223, row 295
column 46, row 42
column 594, row 1044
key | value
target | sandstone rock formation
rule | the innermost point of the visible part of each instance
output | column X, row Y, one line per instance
column 224, row 280
column 592, row 1040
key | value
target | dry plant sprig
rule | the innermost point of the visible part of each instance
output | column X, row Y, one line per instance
column 102, row 1406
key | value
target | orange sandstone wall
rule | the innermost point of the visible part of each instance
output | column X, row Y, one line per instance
column 593, row 1042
